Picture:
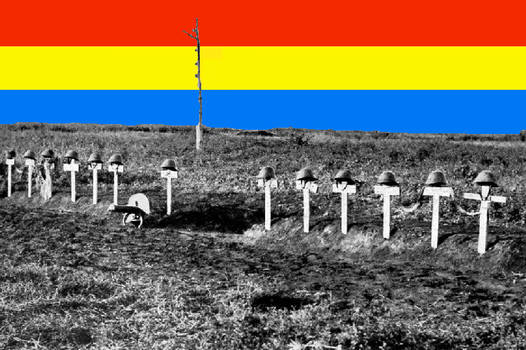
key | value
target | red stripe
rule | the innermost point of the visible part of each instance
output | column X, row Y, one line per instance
column 270, row 22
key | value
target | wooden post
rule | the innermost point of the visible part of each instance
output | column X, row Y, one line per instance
column 267, row 185
column 73, row 187
column 345, row 190
column 436, row 193
column 115, row 188
column 10, row 163
column 267, row 206
column 198, row 136
column 435, row 222
column 29, row 180
column 485, row 202
column 95, row 186
column 307, row 187
column 72, row 167
column 95, row 167
column 30, row 163
column 387, row 192
column 306, row 210
column 169, row 175
column 168, row 196
column 344, row 213
column 483, row 228
column 116, row 168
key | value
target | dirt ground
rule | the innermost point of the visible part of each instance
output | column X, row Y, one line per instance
column 71, row 279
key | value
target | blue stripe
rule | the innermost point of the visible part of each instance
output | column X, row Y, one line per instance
column 394, row 111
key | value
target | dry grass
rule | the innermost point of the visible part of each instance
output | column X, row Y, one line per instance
column 71, row 278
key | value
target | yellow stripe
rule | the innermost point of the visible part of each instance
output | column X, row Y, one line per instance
column 266, row 68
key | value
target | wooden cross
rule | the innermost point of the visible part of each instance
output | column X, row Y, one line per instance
column 169, row 175
column 72, row 167
column 345, row 189
column 10, row 162
column 267, row 185
column 485, row 202
column 95, row 167
column 436, row 193
column 307, row 187
column 387, row 192
column 30, row 163
column 116, row 168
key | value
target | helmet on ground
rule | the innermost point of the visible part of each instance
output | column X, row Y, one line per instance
column 266, row 173
column 305, row 174
column 95, row 158
column 48, row 154
column 115, row 159
column 30, row 155
column 486, row 178
column 168, row 164
column 72, row 155
column 436, row 179
column 10, row 154
column 387, row 178
column 344, row 175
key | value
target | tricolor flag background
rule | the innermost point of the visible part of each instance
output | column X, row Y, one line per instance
column 408, row 66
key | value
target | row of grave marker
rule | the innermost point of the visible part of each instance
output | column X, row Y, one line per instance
column 387, row 187
column 71, row 164
column 436, row 187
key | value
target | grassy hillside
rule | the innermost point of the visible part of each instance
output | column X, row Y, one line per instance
column 209, row 277
column 231, row 160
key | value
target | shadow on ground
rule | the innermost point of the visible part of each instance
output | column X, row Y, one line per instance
column 278, row 300
column 227, row 219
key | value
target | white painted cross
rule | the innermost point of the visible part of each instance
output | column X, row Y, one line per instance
column 30, row 163
column 116, row 168
column 345, row 189
column 72, row 167
column 95, row 167
column 387, row 192
column 10, row 162
column 307, row 187
column 169, row 175
column 485, row 202
column 436, row 193
column 267, row 184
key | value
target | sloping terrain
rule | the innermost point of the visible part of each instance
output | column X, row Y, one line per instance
column 70, row 279
column 209, row 277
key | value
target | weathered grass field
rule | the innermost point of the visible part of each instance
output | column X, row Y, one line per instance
column 208, row 277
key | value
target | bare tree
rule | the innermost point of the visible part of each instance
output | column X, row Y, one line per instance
column 198, row 128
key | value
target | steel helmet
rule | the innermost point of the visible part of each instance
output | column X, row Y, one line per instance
column 30, row 155
column 486, row 178
column 115, row 159
column 71, row 155
column 168, row 164
column 305, row 174
column 344, row 175
column 95, row 158
column 387, row 178
column 266, row 173
column 436, row 179
column 10, row 154
column 48, row 153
